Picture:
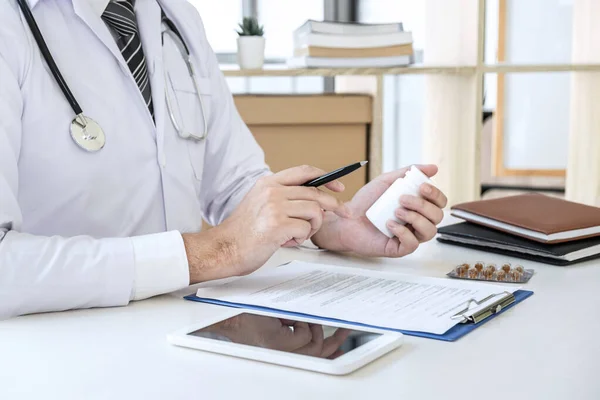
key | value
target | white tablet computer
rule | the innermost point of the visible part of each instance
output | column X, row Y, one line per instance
column 331, row 348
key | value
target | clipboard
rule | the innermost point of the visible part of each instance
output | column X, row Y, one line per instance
column 476, row 311
column 470, row 318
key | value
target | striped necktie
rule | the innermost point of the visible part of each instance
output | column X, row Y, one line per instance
column 120, row 16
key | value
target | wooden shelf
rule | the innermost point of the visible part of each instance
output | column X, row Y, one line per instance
column 274, row 71
column 282, row 71
column 508, row 68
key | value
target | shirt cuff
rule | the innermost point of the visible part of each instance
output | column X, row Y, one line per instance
column 161, row 265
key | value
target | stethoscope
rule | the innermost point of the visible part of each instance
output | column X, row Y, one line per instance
column 86, row 132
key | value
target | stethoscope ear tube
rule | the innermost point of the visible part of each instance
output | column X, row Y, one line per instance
column 48, row 57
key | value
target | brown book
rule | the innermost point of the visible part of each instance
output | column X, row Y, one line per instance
column 389, row 51
column 534, row 216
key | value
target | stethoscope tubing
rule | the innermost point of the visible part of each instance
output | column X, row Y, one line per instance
column 48, row 57
column 80, row 134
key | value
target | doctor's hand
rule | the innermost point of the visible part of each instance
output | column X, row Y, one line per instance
column 357, row 234
column 276, row 212
column 280, row 334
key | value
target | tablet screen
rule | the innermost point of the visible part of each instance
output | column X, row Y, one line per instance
column 287, row 335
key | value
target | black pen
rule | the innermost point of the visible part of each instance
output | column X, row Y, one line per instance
column 333, row 175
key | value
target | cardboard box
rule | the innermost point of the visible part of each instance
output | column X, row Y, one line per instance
column 326, row 131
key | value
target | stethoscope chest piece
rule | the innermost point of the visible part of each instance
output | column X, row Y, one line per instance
column 87, row 133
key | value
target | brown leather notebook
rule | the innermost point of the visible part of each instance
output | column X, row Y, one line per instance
column 534, row 216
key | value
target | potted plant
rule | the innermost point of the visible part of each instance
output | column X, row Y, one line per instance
column 250, row 44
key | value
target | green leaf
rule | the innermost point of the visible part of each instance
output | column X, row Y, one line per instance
column 250, row 27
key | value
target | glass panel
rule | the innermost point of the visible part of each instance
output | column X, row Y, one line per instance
column 275, row 85
column 536, row 120
column 237, row 84
column 536, row 31
column 490, row 92
column 220, row 21
column 270, row 85
column 404, row 100
column 266, row 85
column 491, row 31
column 281, row 18
column 308, row 84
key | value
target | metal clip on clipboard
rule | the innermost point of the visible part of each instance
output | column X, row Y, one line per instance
column 479, row 314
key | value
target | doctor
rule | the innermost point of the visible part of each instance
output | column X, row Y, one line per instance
column 112, row 150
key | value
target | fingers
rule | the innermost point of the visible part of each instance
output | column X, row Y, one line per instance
column 326, row 201
column 434, row 195
column 429, row 210
column 297, row 176
column 318, row 335
column 335, row 186
column 424, row 229
column 299, row 337
column 297, row 230
column 333, row 343
column 407, row 242
column 428, row 169
column 315, row 346
column 306, row 210
column 337, row 354
column 290, row 244
column 321, row 347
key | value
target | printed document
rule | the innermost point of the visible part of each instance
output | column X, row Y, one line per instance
column 380, row 299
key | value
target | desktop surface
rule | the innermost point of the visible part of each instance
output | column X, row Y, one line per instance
column 545, row 348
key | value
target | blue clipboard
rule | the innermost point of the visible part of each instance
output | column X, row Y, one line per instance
column 453, row 334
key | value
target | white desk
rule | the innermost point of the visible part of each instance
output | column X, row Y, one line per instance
column 544, row 348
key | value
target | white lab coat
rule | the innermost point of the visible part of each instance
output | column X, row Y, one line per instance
column 78, row 229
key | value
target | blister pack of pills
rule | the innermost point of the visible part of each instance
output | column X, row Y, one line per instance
column 482, row 271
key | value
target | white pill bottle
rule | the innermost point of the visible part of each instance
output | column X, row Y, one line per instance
column 385, row 207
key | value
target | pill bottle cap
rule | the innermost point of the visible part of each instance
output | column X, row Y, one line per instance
column 417, row 177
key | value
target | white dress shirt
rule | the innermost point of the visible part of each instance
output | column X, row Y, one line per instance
column 79, row 229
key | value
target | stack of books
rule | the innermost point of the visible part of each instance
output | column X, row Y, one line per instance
column 321, row 44
column 530, row 226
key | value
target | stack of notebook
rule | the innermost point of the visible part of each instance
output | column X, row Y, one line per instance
column 321, row 44
column 530, row 226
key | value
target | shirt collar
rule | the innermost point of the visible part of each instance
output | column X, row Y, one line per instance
column 98, row 6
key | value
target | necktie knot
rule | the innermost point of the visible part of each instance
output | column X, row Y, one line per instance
column 120, row 15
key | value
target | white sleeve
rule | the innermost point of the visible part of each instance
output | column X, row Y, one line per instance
column 161, row 264
column 234, row 160
column 41, row 274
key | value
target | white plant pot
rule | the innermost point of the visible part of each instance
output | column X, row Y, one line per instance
column 251, row 52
